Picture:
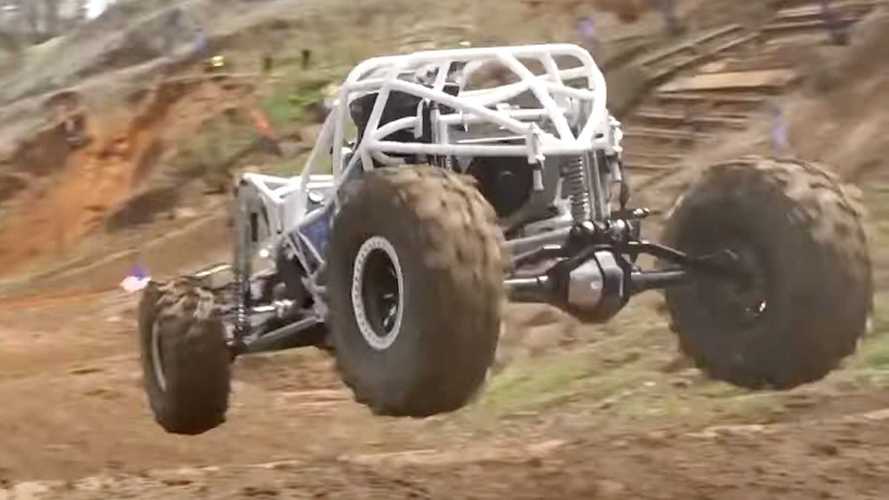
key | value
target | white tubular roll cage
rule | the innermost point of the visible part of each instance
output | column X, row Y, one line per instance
column 286, row 200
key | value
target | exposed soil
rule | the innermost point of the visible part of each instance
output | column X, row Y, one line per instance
column 103, row 180
column 76, row 424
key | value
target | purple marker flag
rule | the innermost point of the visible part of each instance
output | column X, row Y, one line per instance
column 137, row 279
column 780, row 132
column 586, row 28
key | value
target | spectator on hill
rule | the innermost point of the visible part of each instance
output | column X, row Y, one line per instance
column 667, row 9
column 589, row 39
column 671, row 18
column 836, row 25
column 780, row 132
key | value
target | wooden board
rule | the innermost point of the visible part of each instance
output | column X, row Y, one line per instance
column 731, row 80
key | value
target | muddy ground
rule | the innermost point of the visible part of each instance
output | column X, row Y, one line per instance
column 579, row 412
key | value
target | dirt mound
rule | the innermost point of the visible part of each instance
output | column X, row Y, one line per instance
column 85, row 185
column 841, row 119
column 11, row 185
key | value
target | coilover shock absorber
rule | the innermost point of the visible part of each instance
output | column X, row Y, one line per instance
column 576, row 188
column 244, row 225
column 242, row 326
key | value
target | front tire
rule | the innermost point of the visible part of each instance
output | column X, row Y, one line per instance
column 186, row 365
column 806, row 304
column 415, row 290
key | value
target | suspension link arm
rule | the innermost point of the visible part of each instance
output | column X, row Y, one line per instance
column 721, row 264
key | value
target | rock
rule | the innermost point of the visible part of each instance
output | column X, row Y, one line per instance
column 680, row 363
column 607, row 488
column 827, row 449
column 527, row 315
column 309, row 134
column 184, row 213
column 292, row 149
column 84, row 370
column 620, row 443
column 800, row 401
column 714, row 67
column 57, row 447
column 540, row 450
column 721, row 431
column 260, row 491
column 103, row 393
column 176, row 481
column 655, row 438
column 543, row 338
column 832, row 479
column 27, row 491
column 681, row 383
column 190, row 471
column 10, row 186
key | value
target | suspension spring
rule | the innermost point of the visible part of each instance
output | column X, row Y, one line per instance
column 244, row 225
column 576, row 189
column 241, row 316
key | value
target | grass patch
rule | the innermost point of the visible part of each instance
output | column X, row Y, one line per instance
column 286, row 106
column 582, row 384
column 875, row 354
column 715, row 389
column 578, row 376
column 292, row 99
column 212, row 147
column 287, row 168
column 880, row 326
column 532, row 384
column 294, row 166
column 223, row 144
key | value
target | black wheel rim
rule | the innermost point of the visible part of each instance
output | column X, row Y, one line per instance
column 380, row 293
column 736, row 304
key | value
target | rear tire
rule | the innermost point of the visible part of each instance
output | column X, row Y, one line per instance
column 806, row 306
column 415, row 290
column 186, row 364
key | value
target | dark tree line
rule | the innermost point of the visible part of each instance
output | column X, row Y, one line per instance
column 35, row 21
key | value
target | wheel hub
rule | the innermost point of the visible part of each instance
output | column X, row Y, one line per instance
column 739, row 301
column 378, row 292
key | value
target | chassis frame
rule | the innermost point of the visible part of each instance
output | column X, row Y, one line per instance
column 287, row 214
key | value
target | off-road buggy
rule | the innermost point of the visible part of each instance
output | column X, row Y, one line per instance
column 461, row 177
